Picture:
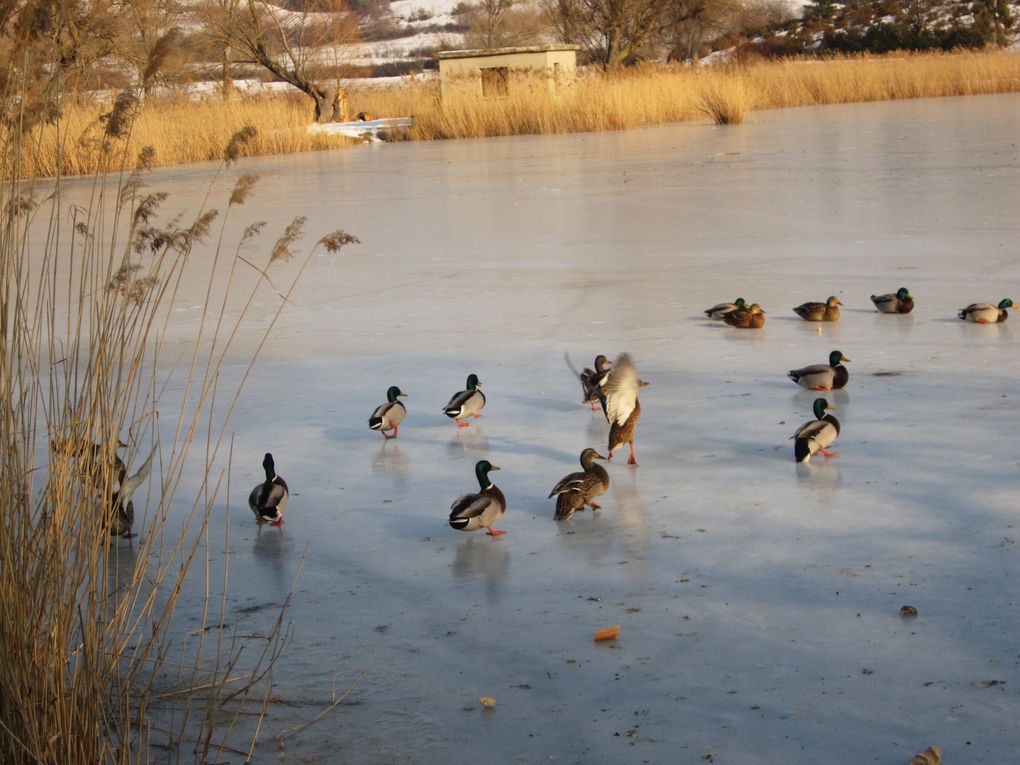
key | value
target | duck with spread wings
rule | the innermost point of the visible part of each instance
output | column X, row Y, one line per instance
column 618, row 391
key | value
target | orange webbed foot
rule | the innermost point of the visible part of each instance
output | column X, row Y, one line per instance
column 827, row 453
column 495, row 532
column 462, row 424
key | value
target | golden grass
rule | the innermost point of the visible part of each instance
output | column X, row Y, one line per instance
column 87, row 619
column 179, row 130
column 649, row 95
column 183, row 131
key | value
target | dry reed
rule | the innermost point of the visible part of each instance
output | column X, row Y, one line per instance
column 87, row 627
column 185, row 131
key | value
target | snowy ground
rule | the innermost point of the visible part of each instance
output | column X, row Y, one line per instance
column 759, row 600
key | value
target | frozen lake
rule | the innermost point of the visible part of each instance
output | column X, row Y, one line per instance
column 759, row 600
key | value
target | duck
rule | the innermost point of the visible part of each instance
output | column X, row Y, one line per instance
column 617, row 392
column 467, row 403
column 814, row 436
column 986, row 313
column 823, row 376
column 268, row 499
column 719, row 311
column 388, row 416
column 121, row 510
column 589, row 381
column 900, row 301
column 579, row 489
column 752, row 317
column 479, row 510
column 94, row 462
column 826, row 311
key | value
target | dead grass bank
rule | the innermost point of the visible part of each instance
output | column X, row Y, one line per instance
column 183, row 131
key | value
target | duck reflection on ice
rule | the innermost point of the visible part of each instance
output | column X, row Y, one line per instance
column 482, row 557
column 391, row 462
column 822, row 473
column 468, row 442
column 273, row 549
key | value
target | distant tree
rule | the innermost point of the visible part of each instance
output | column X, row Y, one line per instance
column 153, row 43
column 993, row 21
column 821, row 10
column 48, row 46
column 303, row 48
column 214, row 16
column 498, row 23
column 690, row 25
column 613, row 31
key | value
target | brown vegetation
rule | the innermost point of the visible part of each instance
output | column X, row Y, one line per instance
column 185, row 131
column 93, row 665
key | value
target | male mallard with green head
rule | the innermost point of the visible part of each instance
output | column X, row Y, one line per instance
column 479, row 510
column 826, row 311
column 467, row 403
column 751, row 317
column 388, row 416
column 900, row 301
column 618, row 391
column 814, row 436
column 720, row 311
column 823, row 376
column 268, row 499
column 579, row 489
column 986, row 313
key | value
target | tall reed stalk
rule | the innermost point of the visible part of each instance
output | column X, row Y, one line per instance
column 93, row 667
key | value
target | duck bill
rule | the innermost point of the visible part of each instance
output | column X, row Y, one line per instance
column 494, row 467
column 402, row 394
column 830, row 407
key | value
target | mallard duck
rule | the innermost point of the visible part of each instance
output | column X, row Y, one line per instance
column 814, row 436
column 719, row 311
column 823, row 376
column 121, row 508
column 579, row 489
column 617, row 392
column 986, row 313
column 900, row 301
column 388, row 416
column 590, row 381
column 95, row 463
column 480, row 510
column 826, row 311
column 467, row 403
column 268, row 500
column 752, row 317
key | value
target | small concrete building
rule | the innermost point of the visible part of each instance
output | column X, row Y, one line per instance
column 500, row 71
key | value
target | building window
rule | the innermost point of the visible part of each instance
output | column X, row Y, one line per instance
column 495, row 81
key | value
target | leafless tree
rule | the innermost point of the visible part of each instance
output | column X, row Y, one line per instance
column 613, row 31
column 45, row 47
column 499, row 23
column 153, row 43
column 302, row 48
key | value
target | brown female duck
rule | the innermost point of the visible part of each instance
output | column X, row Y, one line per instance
column 826, row 311
column 618, row 393
column 752, row 317
column 579, row 489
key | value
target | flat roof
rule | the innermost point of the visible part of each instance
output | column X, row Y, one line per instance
column 485, row 52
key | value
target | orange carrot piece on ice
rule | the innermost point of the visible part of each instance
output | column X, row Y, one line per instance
column 608, row 633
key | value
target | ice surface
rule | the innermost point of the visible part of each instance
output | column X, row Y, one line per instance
column 758, row 599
